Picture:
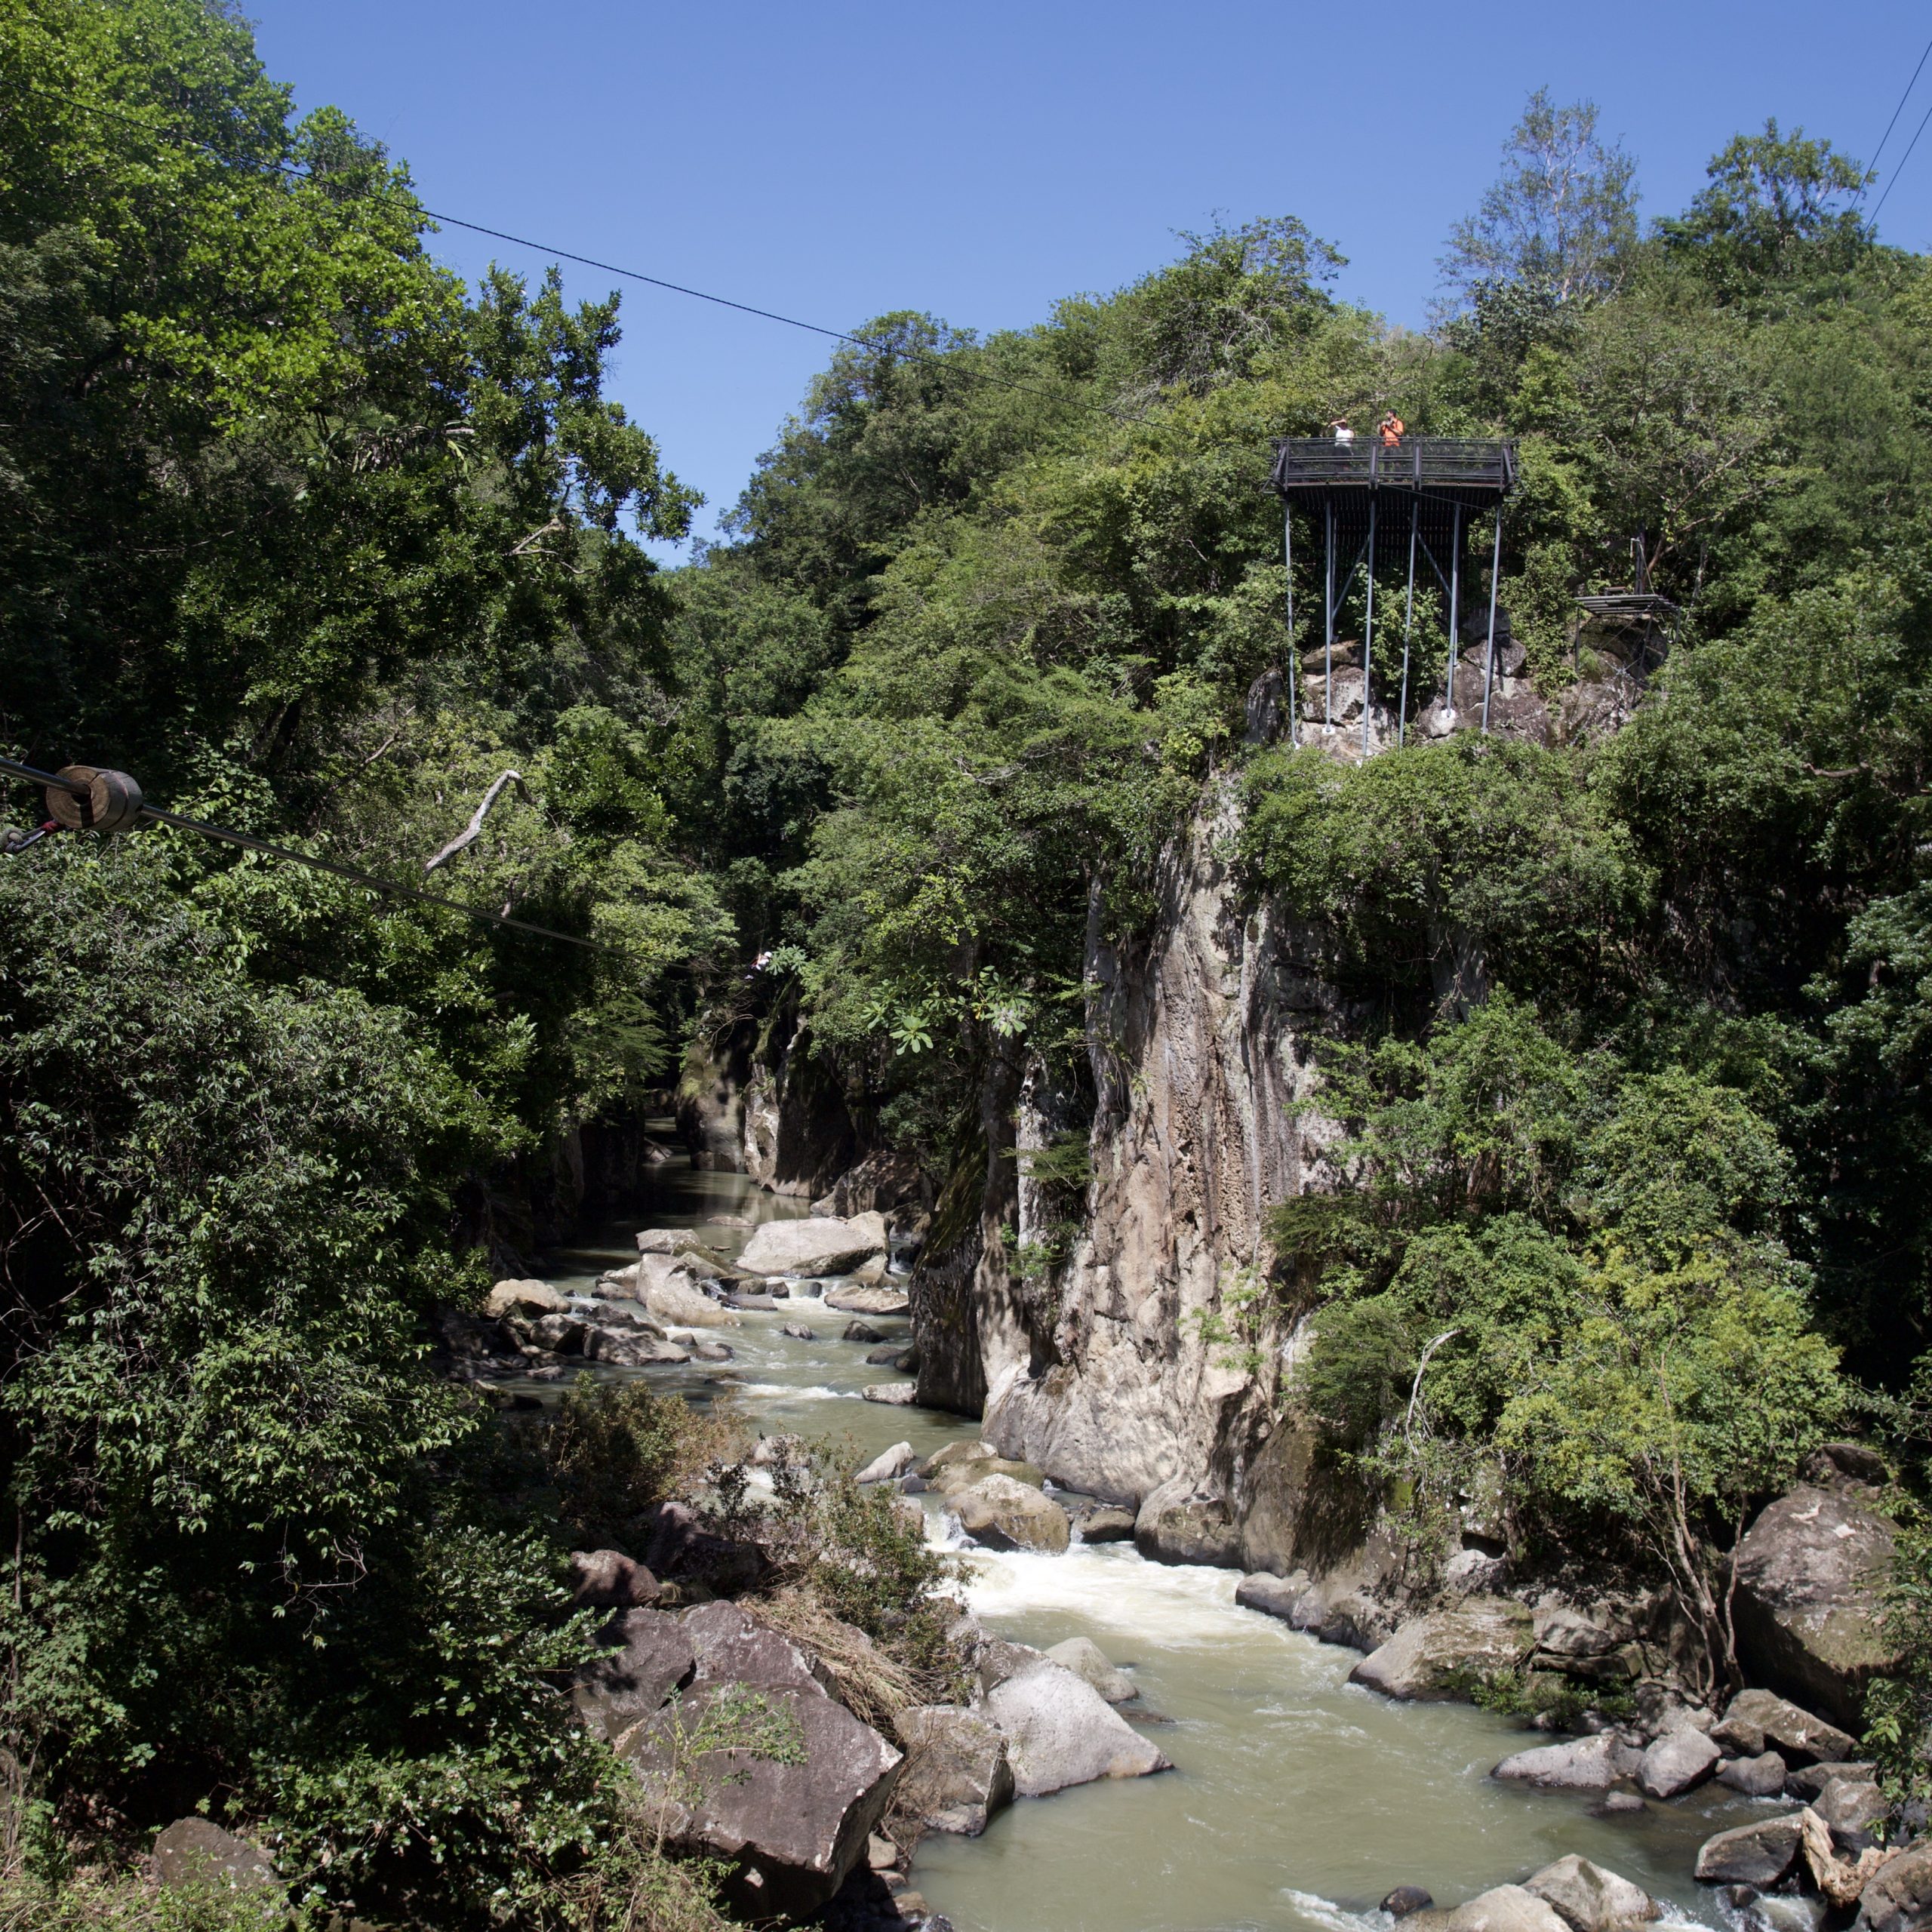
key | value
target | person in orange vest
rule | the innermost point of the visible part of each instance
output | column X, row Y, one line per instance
column 1390, row 428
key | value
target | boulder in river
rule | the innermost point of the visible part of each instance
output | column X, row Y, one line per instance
column 631, row 1347
column 888, row 1464
column 1273, row 1596
column 196, row 1854
column 1505, row 1908
column 1059, row 1731
column 1852, row 1808
column 1759, row 1721
column 1105, row 1522
column 903, row 1356
column 707, row 1348
column 1404, row 1899
column 957, row 1774
column 859, row 1331
column 1898, row 1898
column 1810, row 1574
column 1762, row 1776
column 1676, row 1762
column 1806, row 1781
column 814, row 1246
column 1175, row 1525
column 1004, row 1514
column 869, row 1298
column 1759, row 1854
column 536, row 1297
column 1584, row 1763
column 669, row 1241
column 798, row 1332
column 1091, row 1664
column 1437, row 1657
column 1589, row 1899
column 672, row 1293
column 895, row 1394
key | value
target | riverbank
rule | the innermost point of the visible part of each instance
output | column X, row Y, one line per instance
column 1297, row 1799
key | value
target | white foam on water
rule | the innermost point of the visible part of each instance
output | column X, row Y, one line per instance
column 813, row 1392
column 1332, row 1917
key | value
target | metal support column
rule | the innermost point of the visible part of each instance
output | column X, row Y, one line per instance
column 1368, row 620
column 1288, row 570
column 1408, row 623
column 1495, row 583
column 1328, row 632
column 1455, row 611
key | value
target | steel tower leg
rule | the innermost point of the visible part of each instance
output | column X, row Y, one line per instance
column 1368, row 621
column 1408, row 624
column 1455, row 608
column 1495, row 582
column 1288, row 570
column 1328, row 632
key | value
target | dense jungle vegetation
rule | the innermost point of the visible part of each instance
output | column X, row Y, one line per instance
column 319, row 542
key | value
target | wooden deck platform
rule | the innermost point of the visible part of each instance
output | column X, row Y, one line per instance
column 1476, row 472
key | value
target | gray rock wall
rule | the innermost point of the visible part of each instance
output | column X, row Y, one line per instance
column 1199, row 1038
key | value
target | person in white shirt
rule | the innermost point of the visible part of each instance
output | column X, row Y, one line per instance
column 1343, row 434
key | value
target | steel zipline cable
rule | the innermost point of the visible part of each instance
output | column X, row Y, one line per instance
column 295, row 173
column 81, row 788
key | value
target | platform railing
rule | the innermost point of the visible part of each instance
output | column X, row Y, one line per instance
column 1415, row 462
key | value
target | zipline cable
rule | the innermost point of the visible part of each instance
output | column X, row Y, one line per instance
column 296, row 173
column 79, row 789
column 1894, row 121
column 1900, row 169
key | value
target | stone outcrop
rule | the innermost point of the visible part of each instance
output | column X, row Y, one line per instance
column 1677, row 1762
column 1589, row 1899
column 1004, row 1514
column 1175, row 1525
column 1439, row 1656
column 608, row 1579
column 756, row 1764
column 956, row 1775
column 1503, row 1909
column 813, row 1246
column 1759, row 1721
column 1059, row 1731
column 196, row 1854
column 1088, row 1663
column 1588, row 1764
column 1759, row 1854
column 1810, row 1572
column 1899, row 1898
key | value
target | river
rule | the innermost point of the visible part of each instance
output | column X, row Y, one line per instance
column 1297, row 1800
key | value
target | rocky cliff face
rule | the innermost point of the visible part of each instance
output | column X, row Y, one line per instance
column 1199, row 1038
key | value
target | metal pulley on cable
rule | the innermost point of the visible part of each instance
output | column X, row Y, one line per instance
column 91, row 798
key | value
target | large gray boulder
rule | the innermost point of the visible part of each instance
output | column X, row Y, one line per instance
column 1759, row 1854
column 1089, row 1664
column 869, row 1298
column 608, row 1579
column 1586, row 1763
column 1810, row 1576
column 790, row 1823
column 1505, row 1908
column 1761, row 1776
column 1898, row 1898
column 1590, row 1899
column 1004, row 1513
column 1676, row 1762
column 195, row 1854
column 956, row 1774
column 1175, row 1525
column 651, row 1656
column 894, row 1395
column 1105, row 1522
column 817, row 1245
column 1436, row 1657
column 1759, row 1721
column 525, row 1296
column 632, row 1348
column 888, row 1464
column 1852, row 1808
column 1059, row 1731
column 672, row 1293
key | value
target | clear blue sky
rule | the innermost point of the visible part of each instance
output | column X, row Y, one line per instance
column 834, row 161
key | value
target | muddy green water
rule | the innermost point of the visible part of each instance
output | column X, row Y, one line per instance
column 1296, row 1801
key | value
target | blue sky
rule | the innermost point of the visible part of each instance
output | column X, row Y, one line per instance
column 835, row 160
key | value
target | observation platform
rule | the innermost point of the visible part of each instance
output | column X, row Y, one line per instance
column 1420, row 495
